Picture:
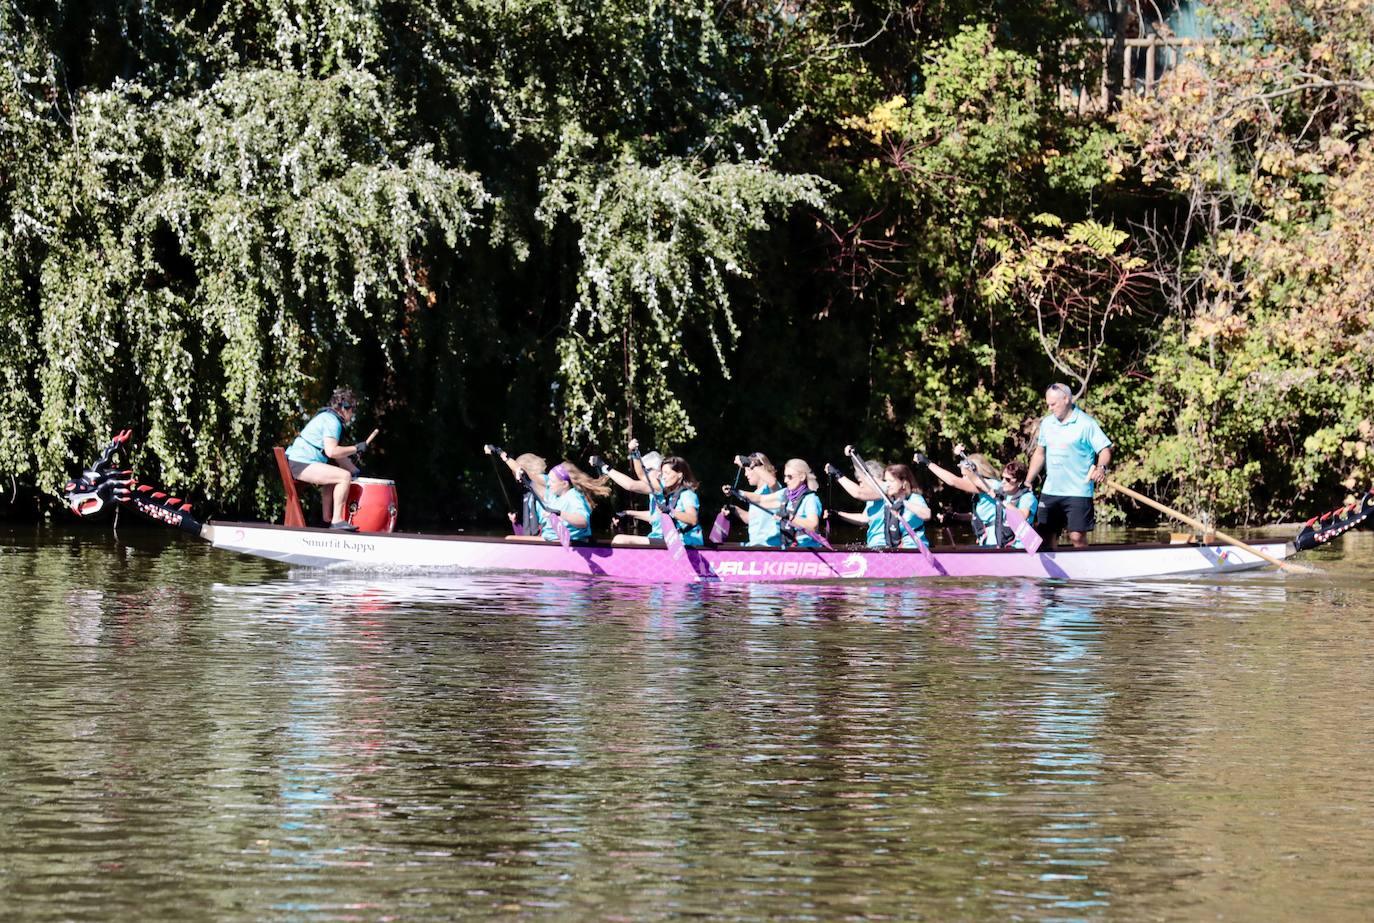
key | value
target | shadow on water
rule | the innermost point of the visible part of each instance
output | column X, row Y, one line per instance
column 185, row 729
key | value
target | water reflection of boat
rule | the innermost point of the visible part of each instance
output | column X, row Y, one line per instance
column 102, row 487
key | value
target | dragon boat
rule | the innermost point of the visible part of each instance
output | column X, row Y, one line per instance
column 104, row 487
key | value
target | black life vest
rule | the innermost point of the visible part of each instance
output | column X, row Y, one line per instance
column 529, row 513
column 787, row 511
column 892, row 523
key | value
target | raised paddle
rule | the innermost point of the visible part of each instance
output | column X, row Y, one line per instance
column 891, row 507
column 1020, row 526
column 1190, row 521
column 720, row 529
column 492, row 451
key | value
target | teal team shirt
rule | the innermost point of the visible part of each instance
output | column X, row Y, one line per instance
column 309, row 445
column 877, row 538
column 686, row 500
column 572, row 500
column 763, row 525
column 1071, row 448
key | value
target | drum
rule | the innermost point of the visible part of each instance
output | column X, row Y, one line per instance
column 372, row 504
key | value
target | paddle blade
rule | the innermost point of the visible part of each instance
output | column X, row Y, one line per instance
column 1020, row 527
column 720, row 529
column 673, row 539
column 560, row 529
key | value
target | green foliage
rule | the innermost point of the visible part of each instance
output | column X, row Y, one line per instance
column 546, row 222
column 659, row 246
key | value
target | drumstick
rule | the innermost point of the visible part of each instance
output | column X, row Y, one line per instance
column 373, row 436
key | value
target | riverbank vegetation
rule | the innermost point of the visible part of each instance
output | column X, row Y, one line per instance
column 719, row 226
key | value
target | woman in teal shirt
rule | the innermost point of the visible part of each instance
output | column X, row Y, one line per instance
column 567, row 491
column 674, row 495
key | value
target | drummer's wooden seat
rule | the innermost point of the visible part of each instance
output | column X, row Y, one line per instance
column 294, row 516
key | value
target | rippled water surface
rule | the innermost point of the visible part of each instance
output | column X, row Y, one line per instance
column 186, row 734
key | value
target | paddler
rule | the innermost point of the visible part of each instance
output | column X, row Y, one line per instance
column 567, row 491
column 763, row 478
column 531, row 519
column 797, row 507
column 860, row 487
column 672, row 494
column 316, row 457
column 884, row 528
column 992, row 495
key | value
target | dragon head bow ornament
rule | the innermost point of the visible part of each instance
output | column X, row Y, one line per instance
column 1321, row 529
column 103, row 486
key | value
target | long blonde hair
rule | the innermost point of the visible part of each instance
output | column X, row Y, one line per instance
column 592, row 488
column 802, row 466
column 532, row 464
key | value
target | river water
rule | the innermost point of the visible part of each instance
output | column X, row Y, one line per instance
column 186, row 734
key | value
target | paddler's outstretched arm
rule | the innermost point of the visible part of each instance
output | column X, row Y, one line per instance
column 949, row 477
column 622, row 480
column 769, row 501
column 856, row 489
column 859, row 519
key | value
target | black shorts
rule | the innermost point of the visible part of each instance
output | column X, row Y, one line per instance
column 297, row 467
column 1059, row 513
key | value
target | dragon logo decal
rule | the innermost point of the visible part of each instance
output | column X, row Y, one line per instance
column 853, row 567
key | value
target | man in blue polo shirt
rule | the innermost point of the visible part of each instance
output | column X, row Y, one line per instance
column 1075, row 453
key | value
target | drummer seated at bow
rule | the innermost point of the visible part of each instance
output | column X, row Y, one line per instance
column 993, row 496
column 316, row 457
column 881, row 518
column 566, row 492
column 672, row 494
column 796, row 508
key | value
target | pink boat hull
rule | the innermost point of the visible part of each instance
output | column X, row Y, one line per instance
column 726, row 564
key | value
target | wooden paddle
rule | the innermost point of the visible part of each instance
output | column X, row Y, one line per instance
column 1193, row 523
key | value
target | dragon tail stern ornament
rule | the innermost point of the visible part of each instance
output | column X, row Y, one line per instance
column 103, row 487
column 1321, row 529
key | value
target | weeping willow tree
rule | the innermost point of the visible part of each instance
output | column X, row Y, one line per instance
column 213, row 214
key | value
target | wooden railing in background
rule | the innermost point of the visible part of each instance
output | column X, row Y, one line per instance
column 1143, row 61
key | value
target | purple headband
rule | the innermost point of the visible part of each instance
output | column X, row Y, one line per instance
column 561, row 473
